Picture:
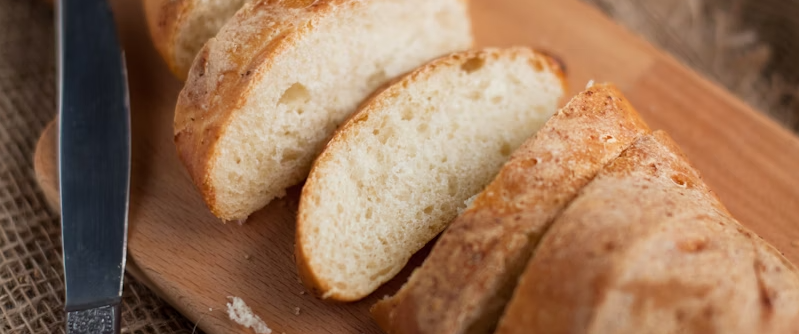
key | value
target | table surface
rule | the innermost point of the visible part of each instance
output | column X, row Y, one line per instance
column 194, row 262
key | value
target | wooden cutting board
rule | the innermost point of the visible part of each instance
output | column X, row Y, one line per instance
column 195, row 262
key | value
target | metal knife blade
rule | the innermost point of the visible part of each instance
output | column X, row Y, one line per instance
column 94, row 163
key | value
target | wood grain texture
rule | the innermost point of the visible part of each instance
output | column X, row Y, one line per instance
column 195, row 262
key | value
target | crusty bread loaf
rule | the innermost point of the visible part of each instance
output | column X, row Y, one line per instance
column 470, row 274
column 401, row 168
column 647, row 248
column 179, row 28
column 267, row 92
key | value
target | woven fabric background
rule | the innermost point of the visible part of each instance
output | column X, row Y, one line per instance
column 31, row 273
column 749, row 46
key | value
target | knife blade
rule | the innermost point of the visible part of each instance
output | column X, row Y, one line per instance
column 93, row 163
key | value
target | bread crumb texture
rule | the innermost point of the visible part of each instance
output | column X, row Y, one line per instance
column 201, row 23
column 473, row 268
column 403, row 167
column 265, row 95
column 239, row 312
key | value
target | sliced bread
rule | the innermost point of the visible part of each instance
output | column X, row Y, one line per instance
column 402, row 167
column 267, row 92
column 179, row 28
column 465, row 282
column 647, row 248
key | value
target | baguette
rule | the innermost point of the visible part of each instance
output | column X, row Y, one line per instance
column 179, row 28
column 402, row 167
column 647, row 248
column 267, row 92
column 468, row 277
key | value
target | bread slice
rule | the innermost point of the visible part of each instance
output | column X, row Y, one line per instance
column 470, row 274
column 647, row 248
column 267, row 92
column 401, row 168
column 179, row 28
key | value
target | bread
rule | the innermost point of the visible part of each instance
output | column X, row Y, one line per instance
column 647, row 248
column 401, row 168
column 267, row 92
column 242, row 314
column 471, row 271
column 179, row 28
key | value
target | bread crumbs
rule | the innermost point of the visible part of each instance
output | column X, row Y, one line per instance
column 239, row 312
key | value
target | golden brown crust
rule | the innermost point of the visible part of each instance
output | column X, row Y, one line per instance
column 646, row 245
column 164, row 17
column 471, row 271
column 224, row 72
column 539, row 61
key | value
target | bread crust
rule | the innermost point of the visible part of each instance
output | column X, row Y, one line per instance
column 313, row 282
column 176, row 26
column 164, row 19
column 225, row 72
column 648, row 247
column 168, row 19
column 470, row 273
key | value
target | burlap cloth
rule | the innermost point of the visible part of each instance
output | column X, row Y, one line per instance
column 749, row 46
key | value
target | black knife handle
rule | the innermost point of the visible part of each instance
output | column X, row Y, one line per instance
column 99, row 320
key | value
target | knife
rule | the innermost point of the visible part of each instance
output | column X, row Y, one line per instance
column 93, row 164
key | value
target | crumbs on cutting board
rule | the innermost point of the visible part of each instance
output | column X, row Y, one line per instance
column 296, row 311
column 239, row 312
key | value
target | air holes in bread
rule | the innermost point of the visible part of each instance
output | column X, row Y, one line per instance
column 680, row 180
column 377, row 78
column 295, row 95
column 428, row 147
column 693, row 244
column 476, row 95
column 407, row 115
column 473, row 64
column 363, row 118
column 452, row 186
column 290, row 155
column 505, row 149
column 422, row 128
column 384, row 135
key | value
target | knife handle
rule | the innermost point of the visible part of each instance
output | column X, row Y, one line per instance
column 99, row 320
